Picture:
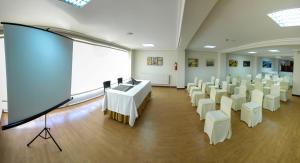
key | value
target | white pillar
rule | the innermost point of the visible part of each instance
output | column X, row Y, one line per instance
column 296, row 74
column 222, row 66
column 180, row 74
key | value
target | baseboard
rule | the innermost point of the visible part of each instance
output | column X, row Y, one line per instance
column 295, row 95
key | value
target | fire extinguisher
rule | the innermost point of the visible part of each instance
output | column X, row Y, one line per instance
column 175, row 66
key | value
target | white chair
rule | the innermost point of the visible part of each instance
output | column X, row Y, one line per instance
column 216, row 86
column 206, row 105
column 284, row 87
column 243, row 84
column 221, row 92
column 218, row 123
column 251, row 112
column 232, row 86
column 197, row 95
column 239, row 99
column 196, row 88
column 267, row 88
column 272, row 101
column 212, row 81
column 228, row 79
column 189, row 85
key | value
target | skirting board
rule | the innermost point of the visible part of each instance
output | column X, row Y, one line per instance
column 295, row 95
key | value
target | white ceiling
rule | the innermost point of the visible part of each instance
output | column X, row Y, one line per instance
column 284, row 51
column 151, row 21
column 242, row 22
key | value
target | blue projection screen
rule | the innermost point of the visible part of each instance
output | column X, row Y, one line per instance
column 38, row 70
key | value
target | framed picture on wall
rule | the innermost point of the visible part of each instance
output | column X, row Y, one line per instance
column 160, row 61
column 267, row 64
column 246, row 63
column 149, row 60
column 193, row 62
column 233, row 63
column 157, row 61
column 210, row 63
column 286, row 66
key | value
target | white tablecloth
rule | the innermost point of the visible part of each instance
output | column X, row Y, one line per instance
column 127, row 103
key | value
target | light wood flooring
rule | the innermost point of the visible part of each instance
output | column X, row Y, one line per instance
column 168, row 131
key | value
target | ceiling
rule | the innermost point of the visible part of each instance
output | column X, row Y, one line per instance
column 233, row 23
column 150, row 21
column 285, row 51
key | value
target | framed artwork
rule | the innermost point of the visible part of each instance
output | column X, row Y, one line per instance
column 286, row 66
column 210, row 63
column 193, row 62
column 233, row 63
column 246, row 63
column 267, row 64
column 157, row 61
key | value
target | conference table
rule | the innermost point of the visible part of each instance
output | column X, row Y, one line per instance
column 126, row 105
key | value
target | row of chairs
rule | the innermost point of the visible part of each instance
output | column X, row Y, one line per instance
column 251, row 112
column 107, row 84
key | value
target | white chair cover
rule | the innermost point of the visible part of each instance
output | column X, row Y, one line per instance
column 272, row 101
column 218, row 123
column 196, row 88
column 284, row 87
column 221, row 92
column 232, row 86
column 243, row 84
column 216, row 86
column 206, row 105
column 189, row 85
column 251, row 112
column 197, row 95
column 239, row 99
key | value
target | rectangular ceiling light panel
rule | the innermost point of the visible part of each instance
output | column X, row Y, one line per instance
column 286, row 18
column 77, row 3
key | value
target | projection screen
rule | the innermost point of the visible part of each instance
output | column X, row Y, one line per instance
column 38, row 70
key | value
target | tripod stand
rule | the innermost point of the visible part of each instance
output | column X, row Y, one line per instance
column 46, row 130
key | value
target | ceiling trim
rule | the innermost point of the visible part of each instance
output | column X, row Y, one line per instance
column 277, row 42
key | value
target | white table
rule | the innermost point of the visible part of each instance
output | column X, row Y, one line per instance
column 127, row 103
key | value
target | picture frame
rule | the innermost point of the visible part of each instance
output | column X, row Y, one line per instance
column 246, row 63
column 156, row 61
column 193, row 62
column 267, row 64
column 233, row 63
column 210, row 63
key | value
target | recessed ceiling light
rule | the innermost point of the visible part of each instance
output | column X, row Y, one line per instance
column 77, row 3
column 252, row 52
column 130, row 33
column 209, row 46
column 274, row 50
column 148, row 45
column 286, row 18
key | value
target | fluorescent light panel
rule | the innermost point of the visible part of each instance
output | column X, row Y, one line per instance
column 252, row 52
column 77, row 3
column 209, row 46
column 286, row 18
column 148, row 45
column 274, row 51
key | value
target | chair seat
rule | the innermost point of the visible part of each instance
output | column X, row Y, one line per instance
column 271, row 96
column 216, row 116
column 235, row 97
column 251, row 105
column 206, row 101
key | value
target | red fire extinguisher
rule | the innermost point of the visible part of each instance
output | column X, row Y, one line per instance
column 175, row 66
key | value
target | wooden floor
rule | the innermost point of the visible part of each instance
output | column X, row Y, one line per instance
column 168, row 131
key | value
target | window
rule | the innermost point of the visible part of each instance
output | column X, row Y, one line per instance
column 94, row 64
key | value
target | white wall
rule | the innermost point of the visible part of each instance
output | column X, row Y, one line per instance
column 140, row 66
column 296, row 74
column 240, row 70
column 202, row 72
